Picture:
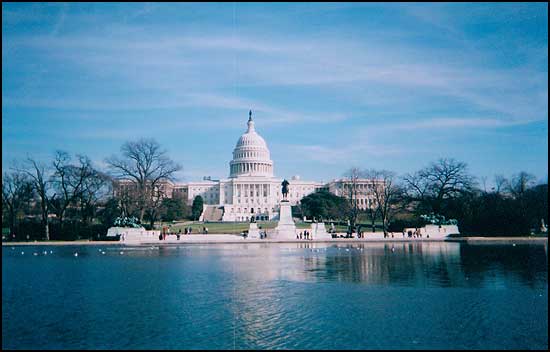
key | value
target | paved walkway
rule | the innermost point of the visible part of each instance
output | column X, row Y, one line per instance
column 203, row 239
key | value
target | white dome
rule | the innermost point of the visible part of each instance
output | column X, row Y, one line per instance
column 251, row 156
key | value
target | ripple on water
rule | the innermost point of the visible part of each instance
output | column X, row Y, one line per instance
column 436, row 295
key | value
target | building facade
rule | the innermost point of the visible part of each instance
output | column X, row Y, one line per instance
column 252, row 189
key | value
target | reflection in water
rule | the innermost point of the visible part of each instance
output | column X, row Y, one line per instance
column 432, row 264
column 277, row 296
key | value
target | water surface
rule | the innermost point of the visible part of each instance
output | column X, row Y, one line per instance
column 427, row 295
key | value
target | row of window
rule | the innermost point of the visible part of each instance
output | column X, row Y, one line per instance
column 246, row 200
column 251, row 155
column 250, row 167
column 251, row 211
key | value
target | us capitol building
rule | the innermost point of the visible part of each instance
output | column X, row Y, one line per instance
column 252, row 189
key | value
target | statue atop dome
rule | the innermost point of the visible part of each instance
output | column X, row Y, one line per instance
column 250, row 122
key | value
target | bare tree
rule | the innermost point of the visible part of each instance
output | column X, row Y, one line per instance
column 126, row 198
column 17, row 190
column 146, row 165
column 350, row 191
column 67, row 181
column 95, row 186
column 373, row 209
column 518, row 187
column 520, row 183
column 500, row 183
column 38, row 174
column 444, row 179
column 484, row 183
column 387, row 195
column 417, row 188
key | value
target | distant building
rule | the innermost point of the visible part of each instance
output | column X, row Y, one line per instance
column 251, row 188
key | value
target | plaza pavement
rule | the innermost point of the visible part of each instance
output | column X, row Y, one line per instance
column 213, row 239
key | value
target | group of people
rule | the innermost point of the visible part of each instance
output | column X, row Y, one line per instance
column 304, row 235
column 414, row 234
column 263, row 234
column 186, row 231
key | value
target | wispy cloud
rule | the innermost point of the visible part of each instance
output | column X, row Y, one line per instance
column 111, row 72
column 170, row 64
column 450, row 123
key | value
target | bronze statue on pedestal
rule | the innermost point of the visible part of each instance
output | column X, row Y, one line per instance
column 284, row 191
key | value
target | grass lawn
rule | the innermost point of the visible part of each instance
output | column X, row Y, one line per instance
column 238, row 227
column 228, row 227
column 220, row 227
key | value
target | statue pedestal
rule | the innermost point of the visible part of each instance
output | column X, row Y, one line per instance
column 129, row 234
column 319, row 232
column 286, row 229
column 253, row 231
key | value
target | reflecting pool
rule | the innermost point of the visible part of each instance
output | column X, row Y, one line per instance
column 299, row 295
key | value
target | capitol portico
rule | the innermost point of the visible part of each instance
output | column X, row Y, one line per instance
column 251, row 188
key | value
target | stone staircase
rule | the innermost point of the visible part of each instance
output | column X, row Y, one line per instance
column 319, row 232
column 212, row 213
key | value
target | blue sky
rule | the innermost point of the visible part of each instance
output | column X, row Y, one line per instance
column 385, row 86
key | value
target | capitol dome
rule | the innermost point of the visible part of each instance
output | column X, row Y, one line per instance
column 251, row 156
